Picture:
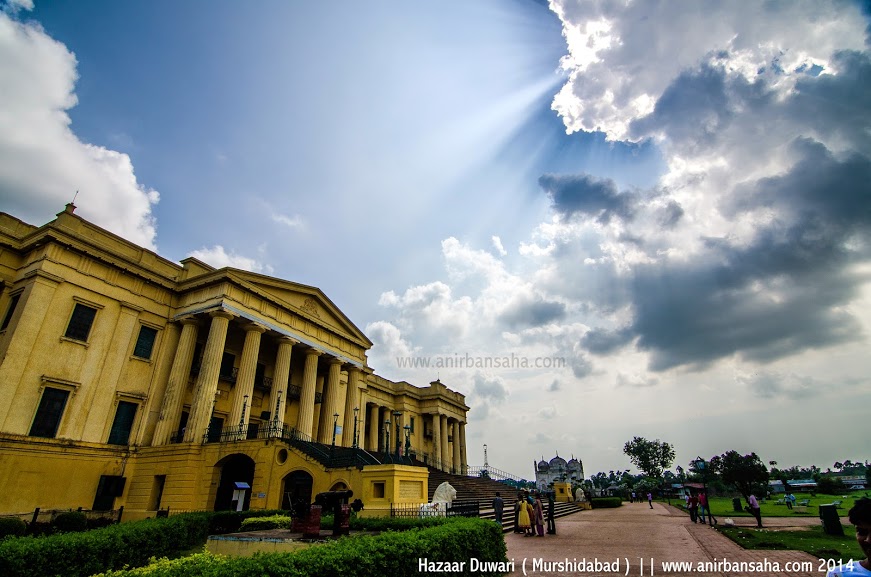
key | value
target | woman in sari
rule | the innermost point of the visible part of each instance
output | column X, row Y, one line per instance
column 523, row 519
column 538, row 512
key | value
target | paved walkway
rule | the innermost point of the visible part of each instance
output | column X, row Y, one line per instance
column 633, row 538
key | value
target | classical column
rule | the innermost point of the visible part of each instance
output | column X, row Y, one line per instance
column 330, row 402
column 207, row 381
column 244, row 389
column 445, row 455
column 436, row 441
column 179, row 374
column 280, row 378
column 307, row 396
column 464, row 463
column 373, row 428
column 351, row 402
column 456, row 448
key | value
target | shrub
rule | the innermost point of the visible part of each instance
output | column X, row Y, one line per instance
column 390, row 553
column 12, row 526
column 71, row 521
column 606, row 502
column 266, row 523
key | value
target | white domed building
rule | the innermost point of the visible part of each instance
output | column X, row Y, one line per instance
column 557, row 469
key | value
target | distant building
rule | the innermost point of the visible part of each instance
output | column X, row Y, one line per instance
column 795, row 485
column 557, row 469
column 128, row 379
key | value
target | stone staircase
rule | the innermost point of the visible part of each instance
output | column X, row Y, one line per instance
column 482, row 491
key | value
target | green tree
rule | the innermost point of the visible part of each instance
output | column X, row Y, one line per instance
column 746, row 473
column 651, row 457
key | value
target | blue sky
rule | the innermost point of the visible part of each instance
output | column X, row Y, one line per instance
column 672, row 199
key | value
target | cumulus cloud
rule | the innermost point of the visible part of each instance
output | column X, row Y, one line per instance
column 624, row 55
column 42, row 162
column 750, row 244
column 218, row 257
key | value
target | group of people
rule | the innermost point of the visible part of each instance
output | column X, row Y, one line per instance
column 529, row 513
column 633, row 497
column 697, row 505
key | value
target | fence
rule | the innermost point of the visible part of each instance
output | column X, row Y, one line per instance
column 455, row 509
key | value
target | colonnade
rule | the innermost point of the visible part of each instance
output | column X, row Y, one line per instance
column 447, row 448
column 206, row 387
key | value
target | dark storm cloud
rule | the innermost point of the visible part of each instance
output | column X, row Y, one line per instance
column 604, row 342
column 670, row 215
column 575, row 194
column 533, row 313
column 827, row 196
column 786, row 289
column 693, row 107
column 783, row 293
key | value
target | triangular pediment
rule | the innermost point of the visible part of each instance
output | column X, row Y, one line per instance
column 307, row 301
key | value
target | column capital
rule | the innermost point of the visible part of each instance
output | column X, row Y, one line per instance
column 221, row 313
column 286, row 339
column 191, row 320
column 331, row 360
column 313, row 351
column 254, row 327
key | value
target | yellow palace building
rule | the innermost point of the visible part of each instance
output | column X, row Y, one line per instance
column 130, row 380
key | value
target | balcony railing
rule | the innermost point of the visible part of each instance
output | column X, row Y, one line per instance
column 330, row 456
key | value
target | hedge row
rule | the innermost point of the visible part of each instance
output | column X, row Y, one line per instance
column 391, row 553
column 606, row 502
column 114, row 547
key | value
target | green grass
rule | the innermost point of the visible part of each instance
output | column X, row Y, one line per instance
column 722, row 506
column 812, row 541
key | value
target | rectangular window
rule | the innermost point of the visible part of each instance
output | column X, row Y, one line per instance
column 145, row 342
column 123, row 423
column 411, row 425
column 49, row 413
column 10, row 311
column 80, row 323
column 259, row 375
column 227, row 362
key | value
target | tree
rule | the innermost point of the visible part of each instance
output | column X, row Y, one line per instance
column 651, row 457
column 743, row 472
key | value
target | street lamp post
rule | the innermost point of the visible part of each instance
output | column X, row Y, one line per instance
column 396, row 415
column 356, row 410
column 407, row 439
column 335, row 424
column 387, row 437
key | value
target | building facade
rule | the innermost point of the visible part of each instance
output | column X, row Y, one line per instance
column 130, row 380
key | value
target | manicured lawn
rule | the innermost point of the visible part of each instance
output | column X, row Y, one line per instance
column 812, row 540
column 722, row 506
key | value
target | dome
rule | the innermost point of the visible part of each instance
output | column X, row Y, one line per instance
column 558, row 463
column 574, row 464
column 543, row 466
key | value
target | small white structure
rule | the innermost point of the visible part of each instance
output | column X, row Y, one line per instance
column 442, row 498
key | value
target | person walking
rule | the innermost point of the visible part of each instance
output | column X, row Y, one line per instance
column 694, row 508
column 498, row 507
column 755, row 510
column 650, row 499
column 517, row 505
column 705, row 509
